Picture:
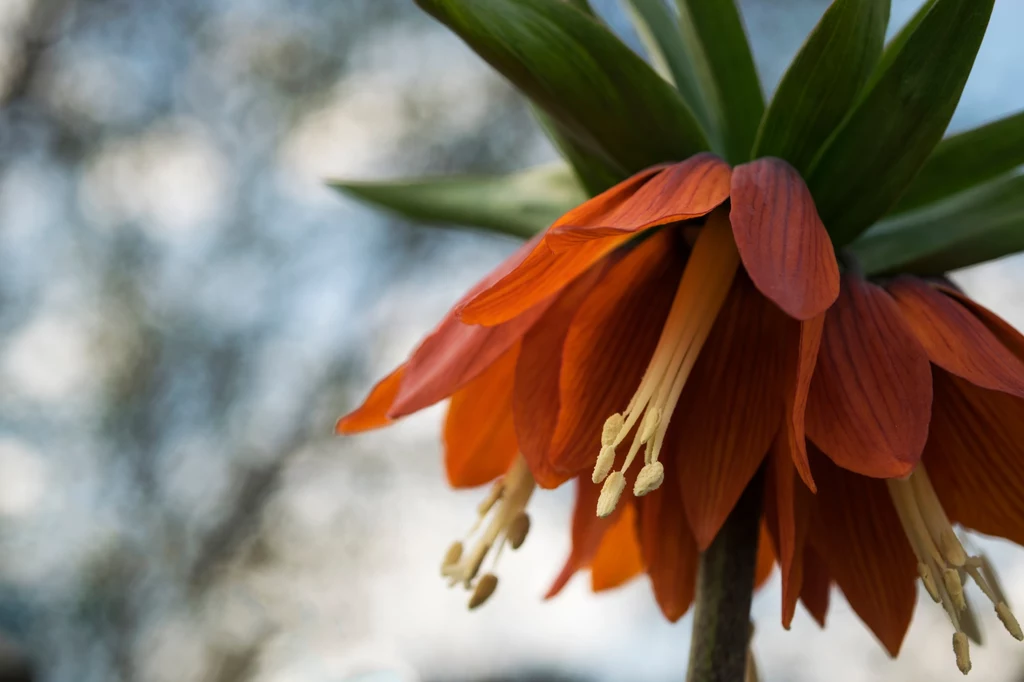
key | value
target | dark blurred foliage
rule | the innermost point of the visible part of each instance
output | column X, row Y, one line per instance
column 195, row 388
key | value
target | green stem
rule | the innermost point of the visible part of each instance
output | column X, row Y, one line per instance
column 725, row 585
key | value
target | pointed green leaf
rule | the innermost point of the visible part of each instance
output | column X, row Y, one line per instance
column 519, row 204
column 968, row 159
column 601, row 93
column 677, row 54
column 737, row 95
column 595, row 173
column 583, row 6
column 972, row 227
column 897, row 122
column 823, row 81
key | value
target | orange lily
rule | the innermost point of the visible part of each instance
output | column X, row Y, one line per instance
column 697, row 312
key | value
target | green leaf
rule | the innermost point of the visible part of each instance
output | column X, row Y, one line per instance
column 595, row 173
column 583, row 6
column 519, row 204
column 899, row 119
column 604, row 96
column 717, row 25
column 968, row 159
column 678, row 55
column 972, row 227
column 823, row 81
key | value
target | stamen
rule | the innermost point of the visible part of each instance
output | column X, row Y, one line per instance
column 649, row 479
column 962, row 649
column 940, row 552
column 610, row 493
column 702, row 291
column 1009, row 622
column 605, row 462
column 505, row 504
column 929, row 582
column 483, row 591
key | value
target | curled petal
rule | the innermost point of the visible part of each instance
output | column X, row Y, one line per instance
column 782, row 241
column 1012, row 339
column 373, row 413
column 974, row 456
column 956, row 340
column 814, row 592
column 857, row 533
column 618, row 557
column 536, row 400
column 729, row 410
column 669, row 550
column 479, row 434
column 801, row 358
column 870, row 400
column 455, row 353
column 587, row 234
column 588, row 530
column 681, row 191
column 787, row 508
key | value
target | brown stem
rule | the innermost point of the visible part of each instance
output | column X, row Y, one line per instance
column 721, row 622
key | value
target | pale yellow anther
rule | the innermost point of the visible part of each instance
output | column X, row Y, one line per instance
column 610, row 493
column 613, row 425
column 1009, row 622
column 484, row 589
column 700, row 295
column 951, row 577
column 929, row 581
column 451, row 557
column 604, row 464
column 649, row 479
column 952, row 550
column 962, row 649
column 518, row 529
column 649, row 426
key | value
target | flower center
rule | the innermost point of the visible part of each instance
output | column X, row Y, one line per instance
column 505, row 505
column 702, row 291
column 942, row 562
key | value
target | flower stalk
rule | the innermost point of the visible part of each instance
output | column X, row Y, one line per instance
column 721, row 622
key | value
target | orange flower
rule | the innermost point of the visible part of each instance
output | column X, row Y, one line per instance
column 696, row 313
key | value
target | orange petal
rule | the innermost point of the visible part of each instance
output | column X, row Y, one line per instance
column 814, row 592
column 587, row 234
column 1007, row 335
column 681, row 191
column 373, row 413
column 787, row 506
column 588, row 530
column 609, row 343
column 618, row 557
column 454, row 353
column 536, row 398
column 956, row 340
column 668, row 550
column 856, row 531
column 479, row 434
column 801, row 359
column 729, row 410
column 871, row 396
column 974, row 456
column 765, row 558
column 782, row 241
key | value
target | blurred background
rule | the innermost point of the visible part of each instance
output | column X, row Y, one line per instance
column 185, row 309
